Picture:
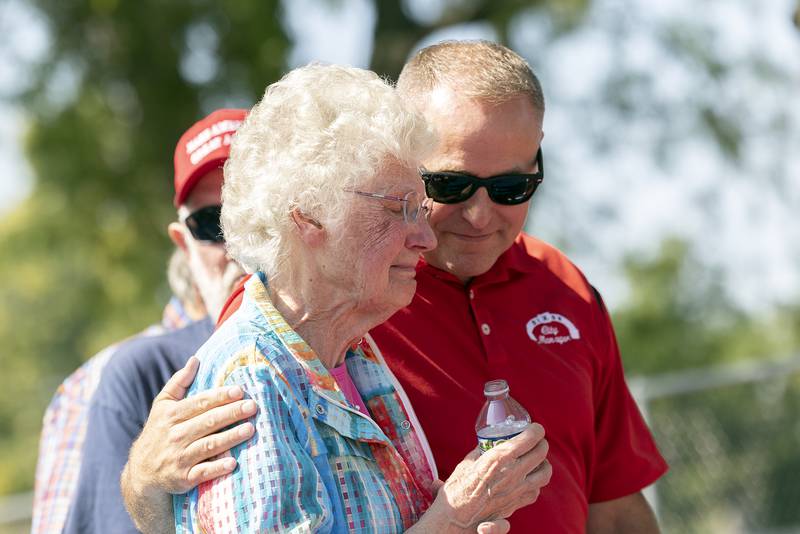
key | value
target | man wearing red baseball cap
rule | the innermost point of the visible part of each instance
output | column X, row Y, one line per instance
column 199, row 157
column 140, row 367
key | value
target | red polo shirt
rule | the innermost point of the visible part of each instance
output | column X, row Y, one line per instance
column 534, row 320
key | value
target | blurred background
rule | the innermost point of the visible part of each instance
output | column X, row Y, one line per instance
column 672, row 137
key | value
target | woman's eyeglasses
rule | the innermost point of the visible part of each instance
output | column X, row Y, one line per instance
column 204, row 224
column 412, row 204
column 507, row 189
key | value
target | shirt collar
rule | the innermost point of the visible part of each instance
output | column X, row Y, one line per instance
column 234, row 300
column 255, row 289
column 326, row 396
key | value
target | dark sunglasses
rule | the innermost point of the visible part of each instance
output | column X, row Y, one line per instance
column 508, row 189
column 204, row 224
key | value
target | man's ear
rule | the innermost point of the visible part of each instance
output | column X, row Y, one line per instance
column 175, row 230
column 309, row 229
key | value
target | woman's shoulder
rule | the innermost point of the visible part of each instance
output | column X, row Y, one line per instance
column 242, row 349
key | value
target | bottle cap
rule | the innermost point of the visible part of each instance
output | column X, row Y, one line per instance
column 494, row 388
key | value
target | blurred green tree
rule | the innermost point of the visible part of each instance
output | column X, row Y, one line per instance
column 731, row 449
column 84, row 257
column 796, row 17
column 678, row 316
column 400, row 26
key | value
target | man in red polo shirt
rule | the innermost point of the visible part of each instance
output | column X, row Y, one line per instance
column 493, row 302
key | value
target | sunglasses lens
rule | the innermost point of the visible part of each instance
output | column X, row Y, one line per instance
column 204, row 224
column 512, row 189
column 509, row 189
column 448, row 188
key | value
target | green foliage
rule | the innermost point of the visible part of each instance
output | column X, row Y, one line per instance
column 84, row 258
column 678, row 316
column 397, row 31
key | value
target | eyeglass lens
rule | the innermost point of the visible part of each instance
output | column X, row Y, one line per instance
column 412, row 205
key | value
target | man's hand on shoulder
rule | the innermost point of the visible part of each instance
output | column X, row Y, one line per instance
column 179, row 445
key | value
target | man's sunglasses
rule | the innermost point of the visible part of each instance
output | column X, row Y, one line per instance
column 508, row 189
column 204, row 224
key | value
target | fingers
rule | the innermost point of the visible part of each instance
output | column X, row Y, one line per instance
column 525, row 440
column 498, row 526
column 205, row 471
column 205, row 402
column 170, row 454
column 214, row 418
column 529, row 447
column 506, row 474
column 502, row 480
column 216, row 444
column 518, row 446
column 540, row 476
column 510, row 498
column 528, row 492
column 176, row 386
column 522, row 452
column 534, row 458
column 517, row 480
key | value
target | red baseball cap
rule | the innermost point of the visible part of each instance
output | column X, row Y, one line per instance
column 204, row 146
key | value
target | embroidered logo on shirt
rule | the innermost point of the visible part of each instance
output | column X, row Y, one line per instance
column 550, row 328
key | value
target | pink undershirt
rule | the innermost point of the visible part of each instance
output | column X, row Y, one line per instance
column 349, row 389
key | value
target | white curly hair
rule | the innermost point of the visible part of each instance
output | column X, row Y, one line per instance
column 320, row 130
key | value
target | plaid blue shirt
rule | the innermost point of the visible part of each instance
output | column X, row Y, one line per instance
column 64, row 430
column 315, row 463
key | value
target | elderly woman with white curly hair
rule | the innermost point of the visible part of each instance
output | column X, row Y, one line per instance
column 322, row 201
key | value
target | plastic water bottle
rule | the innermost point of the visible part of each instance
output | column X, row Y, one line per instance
column 501, row 417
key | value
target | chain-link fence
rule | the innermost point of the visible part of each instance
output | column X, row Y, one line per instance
column 732, row 438
column 15, row 513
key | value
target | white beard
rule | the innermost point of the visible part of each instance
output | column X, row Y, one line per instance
column 215, row 288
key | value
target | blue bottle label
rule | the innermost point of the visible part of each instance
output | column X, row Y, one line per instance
column 484, row 444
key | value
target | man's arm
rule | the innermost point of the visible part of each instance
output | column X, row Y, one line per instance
column 627, row 515
column 175, row 451
column 627, row 458
column 145, row 486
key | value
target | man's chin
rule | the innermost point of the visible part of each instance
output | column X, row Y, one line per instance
column 463, row 266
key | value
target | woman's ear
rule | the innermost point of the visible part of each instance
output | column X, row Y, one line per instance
column 309, row 229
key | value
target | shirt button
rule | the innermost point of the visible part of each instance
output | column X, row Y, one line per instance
column 471, row 294
column 405, row 425
column 485, row 329
column 320, row 409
